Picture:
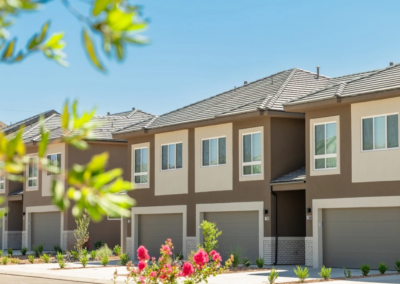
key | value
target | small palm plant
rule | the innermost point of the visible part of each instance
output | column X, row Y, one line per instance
column 301, row 273
column 325, row 273
column 273, row 275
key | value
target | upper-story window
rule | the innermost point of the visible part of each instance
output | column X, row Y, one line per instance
column 32, row 172
column 325, row 152
column 252, row 154
column 141, row 166
column 171, row 156
column 55, row 161
column 380, row 132
column 214, row 151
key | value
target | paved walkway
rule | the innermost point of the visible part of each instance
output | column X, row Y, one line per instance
column 11, row 279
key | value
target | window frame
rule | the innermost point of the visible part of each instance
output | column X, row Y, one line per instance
column 201, row 145
column 37, row 172
column 252, row 162
column 373, row 132
column 134, row 166
column 47, row 155
column 325, row 156
column 161, row 152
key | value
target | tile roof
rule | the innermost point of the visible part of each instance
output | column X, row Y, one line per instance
column 355, row 84
column 27, row 122
column 296, row 176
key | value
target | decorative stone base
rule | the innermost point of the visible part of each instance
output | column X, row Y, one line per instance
column 129, row 246
column 291, row 250
column 269, row 250
column 309, row 251
column 13, row 239
column 68, row 240
column 191, row 245
column 23, row 242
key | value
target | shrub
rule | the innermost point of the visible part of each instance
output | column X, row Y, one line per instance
column 99, row 244
column 325, row 273
column 365, row 269
column 24, row 250
column 10, row 251
column 4, row 260
column 397, row 265
column 236, row 253
column 117, row 250
column 59, row 256
column 260, row 262
column 246, row 262
column 86, row 245
column 347, row 272
column 382, row 267
column 1, row 253
column 301, row 273
column 210, row 236
column 61, row 264
column 14, row 260
column 124, row 259
column 45, row 258
column 75, row 254
column 104, row 251
column 40, row 249
column 81, row 233
column 177, row 256
column 31, row 258
column 84, row 260
column 273, row 275
column 93, row 254
column 57, row 248
column 36, row 251
column 104, row 260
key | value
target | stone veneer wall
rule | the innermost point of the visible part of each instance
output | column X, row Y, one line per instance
column 68, row 240
column 14, row 239
column 129, row 246
column 23, row 241
column 309, row 251
column 291, row 250
column 269, row 250
column 191, row 245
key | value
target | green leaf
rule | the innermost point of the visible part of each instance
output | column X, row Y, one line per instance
column 119, row 49
column 19, row 57
column 65, row 116
column 118, row 20
column 45, row 138
column 8, row 52
column 33, row 42
column 98, row 162
column 55, row 41
column 59, row 196
column 100, row 6
column 89, row 45
column 44, row 31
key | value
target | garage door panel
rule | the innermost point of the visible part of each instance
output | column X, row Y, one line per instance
column 46, row 229
column 352, row 237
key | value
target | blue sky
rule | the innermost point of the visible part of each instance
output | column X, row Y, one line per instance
column 200, row 49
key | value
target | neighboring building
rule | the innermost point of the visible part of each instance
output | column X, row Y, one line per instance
column 32, row 219
column 227, row 159
column 353, row 170
column 2, row 125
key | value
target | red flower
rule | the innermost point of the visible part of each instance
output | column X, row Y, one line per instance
column 143, row 253
column 142, row 265
column 200, row 258
column 153, row 274
column 165, row 250
column 187, row 269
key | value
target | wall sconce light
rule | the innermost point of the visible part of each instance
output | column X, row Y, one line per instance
column 308, row 210
column 265, row 211
column 23, row 213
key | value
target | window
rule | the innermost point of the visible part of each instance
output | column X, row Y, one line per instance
column 2, row 177
column 380, row 132
column 141, row 166
column 32, row 172
column 252, row 154
column 171, row 156
column 214, row 151
column 55, row 161
column 325, row 153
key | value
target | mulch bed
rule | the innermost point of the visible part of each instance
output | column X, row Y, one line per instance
column 244, row 269
column 87, row 267
column 23, row 259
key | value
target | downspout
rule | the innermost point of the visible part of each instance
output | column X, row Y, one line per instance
column 276, row 224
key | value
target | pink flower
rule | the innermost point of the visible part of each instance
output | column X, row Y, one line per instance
column 165, row 250
column 143, row 253
column 201, row 257
column 215, row 256
column 142, row 265
column 142, row 280
column 153, row 274
column 187, row 269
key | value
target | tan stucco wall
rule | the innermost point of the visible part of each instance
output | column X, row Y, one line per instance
column 171, row 181
column 386, row 162
column 47, row 180
column 136, row 146
column 218, row 177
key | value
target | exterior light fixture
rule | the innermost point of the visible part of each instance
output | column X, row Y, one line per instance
column 265, row 211
column 308, row 210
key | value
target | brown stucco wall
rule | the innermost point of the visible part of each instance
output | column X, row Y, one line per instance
column 14, row 216
column 291, row 213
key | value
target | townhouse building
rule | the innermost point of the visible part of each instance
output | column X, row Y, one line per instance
column 353, row 170
column 31, row 217
column 237, row 159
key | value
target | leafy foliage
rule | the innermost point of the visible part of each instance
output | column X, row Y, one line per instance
column 4, row 260
column 124, row 259
column 59, row 256
column 57, row 249
column 93, row 254
column 236, row 253
column 99, row 244
column 81, row 233
column 117, row 250
column 40, row 248
column 36, row 251
column 347, row 272
column 75, row 254
column 117, row 23
column 246, row 262
column 104, row 260
column 45, row 258
column 273, row 275
column 301, row 273
column 260, row 262
column 61, row 264
column 104, row 251
column 31, row 258
column 397, row 265
column 325, row 273
column 24, row 250
column 210, row 235
column 382, row 267
column 365, row 269
column 10, row 251
column 84, row 260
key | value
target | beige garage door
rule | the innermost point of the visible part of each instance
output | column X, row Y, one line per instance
column 239, row 230
column 352, row 237
column 46, row 229
column 155, row 229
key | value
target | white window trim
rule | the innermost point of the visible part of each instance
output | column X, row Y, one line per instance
column 51, row 154
column 325, row 156
column 37, row 173
column 176, row 169
column 201, row 145
column 252, row 162
column 134, row 166
column 373, row 132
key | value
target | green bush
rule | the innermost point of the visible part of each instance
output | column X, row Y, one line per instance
column 365, row 269
column 382, row 267
column 61, row 264
column 75, row 254
column 260, row 262
column 31, row 258
column 325, row 273
column 93, row 254
column 301, row 273
column 14, row 260
column 45, row 258
column 124, row 259
column 347, row 272
column 104, row 251
column 246, row 262
column 397, row 265
column 104, row 260
column 36, row 251
column 40, row 249
column 10, row 252
column 273, row 275
column 1, row 253
column 4, row 260
column 117, row 250
column 210, row 235
column 59, row 256
column 236, row 252
column 84, row 260
column 57, row 248
column 24, row 250
column 99, row 244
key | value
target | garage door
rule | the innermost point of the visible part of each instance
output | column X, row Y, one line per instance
column 352, row 237
column 46, row 229
column 239, row 230
column 1, row 234
column 155, row 229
